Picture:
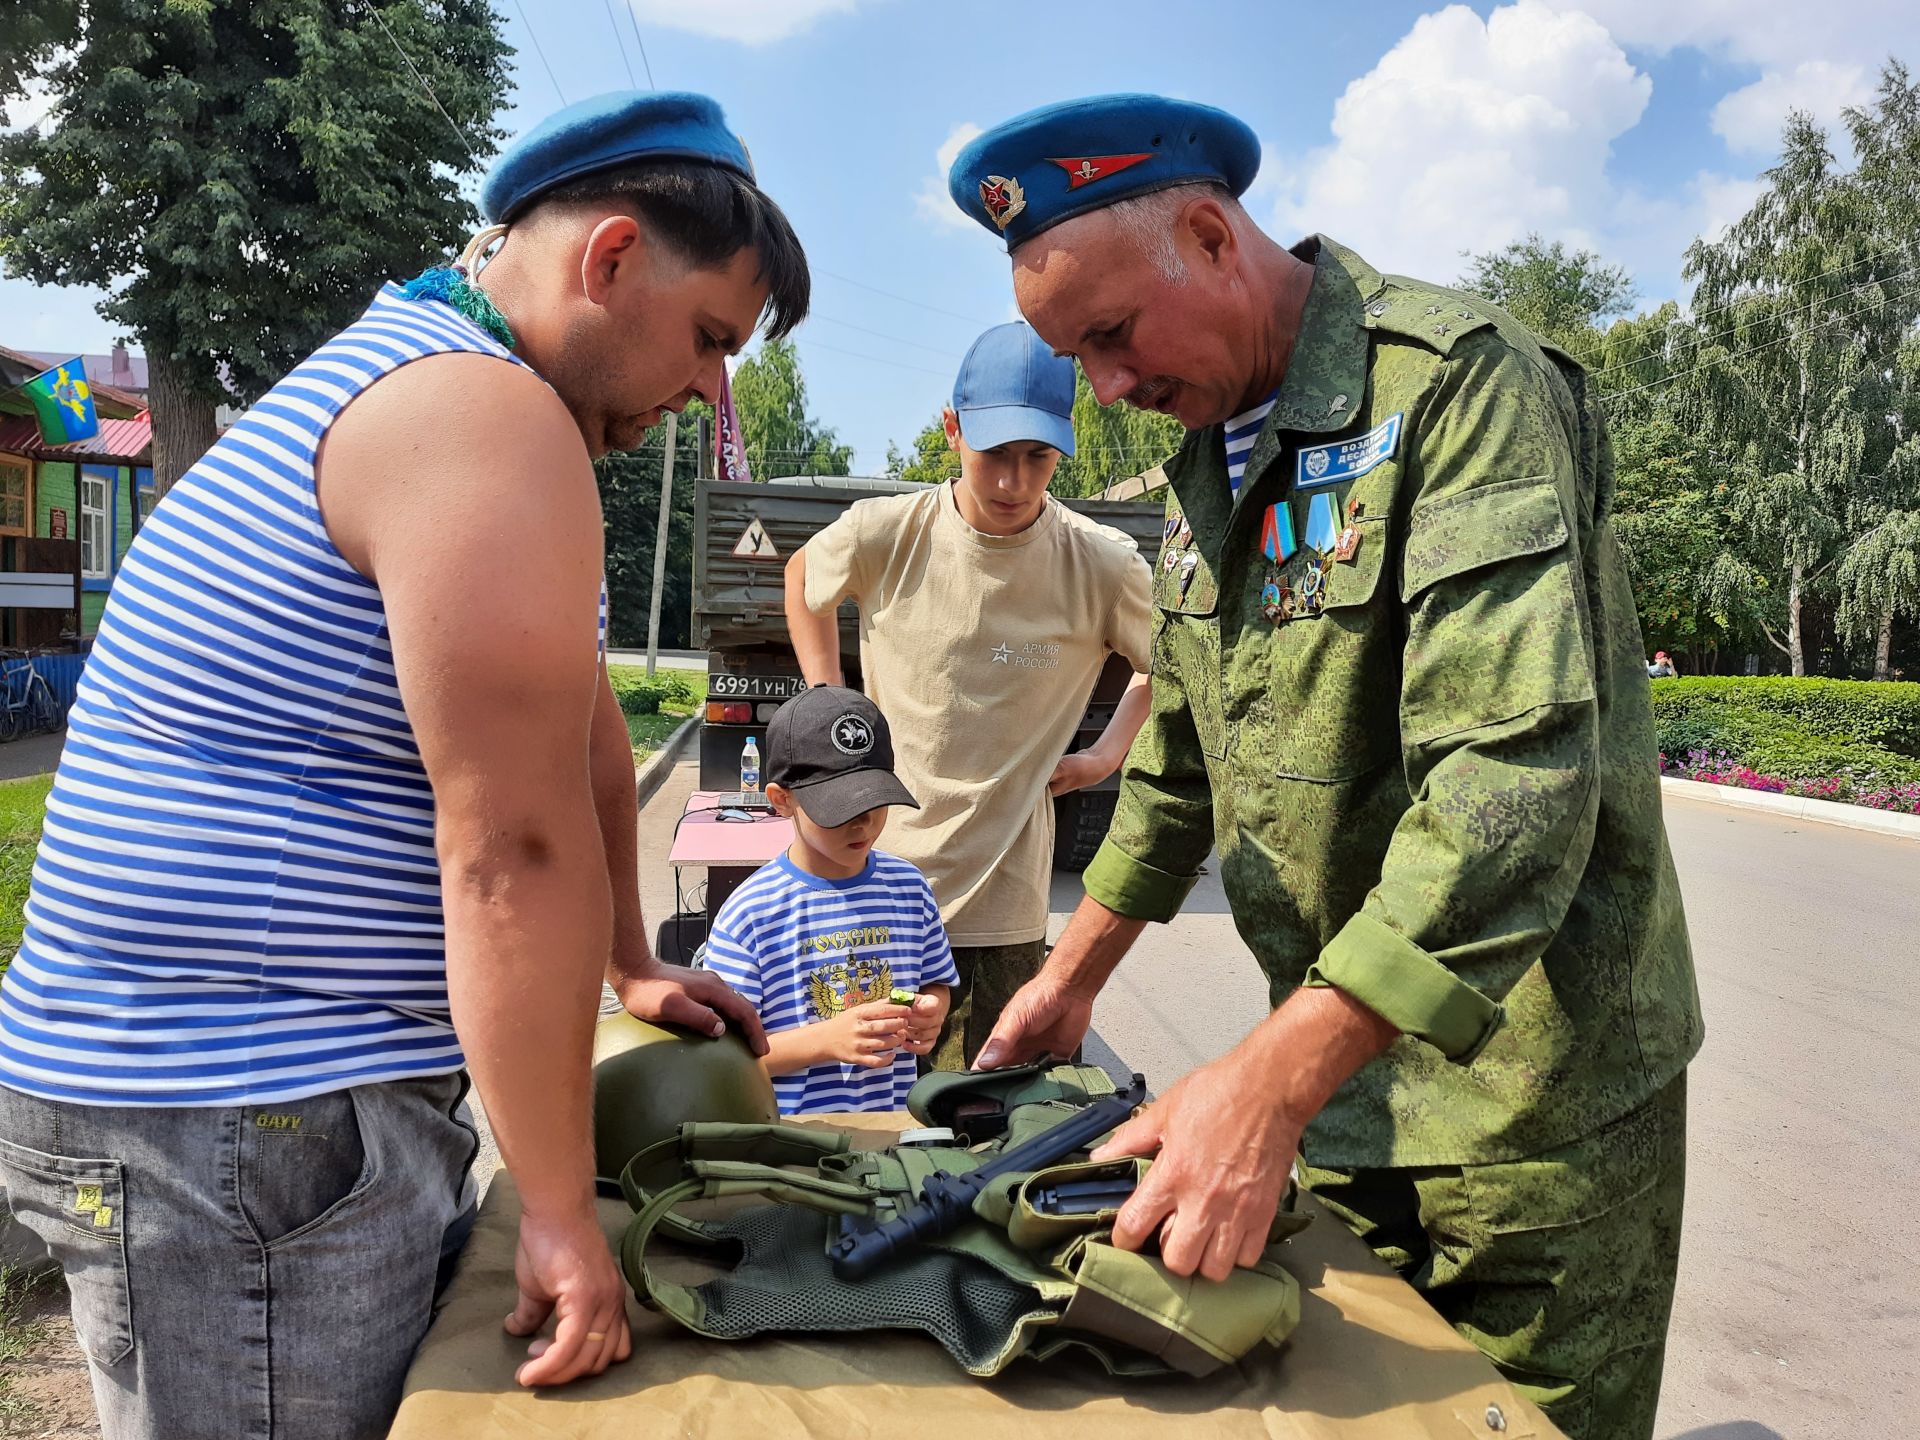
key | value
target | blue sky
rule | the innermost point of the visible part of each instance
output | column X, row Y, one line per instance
column 1410, row 132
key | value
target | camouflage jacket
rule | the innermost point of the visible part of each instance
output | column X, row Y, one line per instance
column 1398, row 684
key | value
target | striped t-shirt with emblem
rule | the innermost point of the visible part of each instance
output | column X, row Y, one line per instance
column 1240, row 434
column 802, row 949
column 236, row 899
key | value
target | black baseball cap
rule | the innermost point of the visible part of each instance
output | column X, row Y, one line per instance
column 832, row 749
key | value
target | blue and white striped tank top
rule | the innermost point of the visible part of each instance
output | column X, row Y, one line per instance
column 236, row 898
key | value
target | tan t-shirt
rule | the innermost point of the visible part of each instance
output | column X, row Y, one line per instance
column 981, row 651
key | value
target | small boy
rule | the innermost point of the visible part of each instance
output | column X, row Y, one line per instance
column 822, row 940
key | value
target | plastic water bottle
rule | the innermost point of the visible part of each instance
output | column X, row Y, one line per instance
column 750, row 765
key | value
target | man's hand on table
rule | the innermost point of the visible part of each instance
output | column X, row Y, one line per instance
column 564, row 1269
column 697, row 999
column 1222, row 1164
column 1225, row 1136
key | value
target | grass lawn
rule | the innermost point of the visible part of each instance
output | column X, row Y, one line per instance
column 23, row 803
column 685, row 692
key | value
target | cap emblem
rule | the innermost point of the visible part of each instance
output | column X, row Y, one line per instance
column 1085, row 169
column 852, row 735
column 1003, row 197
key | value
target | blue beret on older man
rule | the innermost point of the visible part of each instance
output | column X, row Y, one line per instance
column 1062, row 160
column 604, row 133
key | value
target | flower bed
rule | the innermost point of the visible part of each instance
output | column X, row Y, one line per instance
column 1718, row 768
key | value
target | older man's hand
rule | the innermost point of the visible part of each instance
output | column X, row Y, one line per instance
column 1224, row 1154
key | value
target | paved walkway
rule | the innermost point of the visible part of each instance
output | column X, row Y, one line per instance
column 35, row 755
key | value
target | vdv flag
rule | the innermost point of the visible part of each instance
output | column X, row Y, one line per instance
column 63, row 401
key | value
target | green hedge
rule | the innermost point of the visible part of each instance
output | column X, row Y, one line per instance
column 642, row 694
column 1796, row 729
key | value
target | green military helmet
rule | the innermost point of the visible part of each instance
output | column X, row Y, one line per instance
column 650, row 1079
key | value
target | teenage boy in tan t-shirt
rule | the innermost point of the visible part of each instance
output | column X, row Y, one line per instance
column 987, row 610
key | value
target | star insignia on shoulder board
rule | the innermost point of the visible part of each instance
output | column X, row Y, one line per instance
column 1433, row 309
column 1443, row 328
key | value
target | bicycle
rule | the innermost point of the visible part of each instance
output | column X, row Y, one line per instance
column 27, row 706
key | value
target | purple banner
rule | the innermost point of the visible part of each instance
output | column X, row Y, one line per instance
column 730, row 447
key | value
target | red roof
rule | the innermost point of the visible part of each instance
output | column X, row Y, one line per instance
column 120, row 442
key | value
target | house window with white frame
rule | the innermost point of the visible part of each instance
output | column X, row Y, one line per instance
column 96, row 535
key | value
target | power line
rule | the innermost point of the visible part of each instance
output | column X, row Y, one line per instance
column 1695, row 319
column 903, row 299
column 407, row 60
column 1809, row 307
column 876, row 359
column 538, row 51
column 627, row 5
column 882, row 335
column 1743, row 354
column 621, row 41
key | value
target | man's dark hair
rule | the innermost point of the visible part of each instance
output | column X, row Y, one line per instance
column 706, row 214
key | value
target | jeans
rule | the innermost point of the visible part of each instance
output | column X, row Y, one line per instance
column 255, row 1271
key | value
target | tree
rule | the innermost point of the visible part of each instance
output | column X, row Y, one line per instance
column 1879, row 578
column 770, row 396
column 1796, row 305
column 630, row 503
column 1696, row 590
column 240, row 176
column 1111, row 443
column 1559, row 294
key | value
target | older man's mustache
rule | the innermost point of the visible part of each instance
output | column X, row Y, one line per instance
column 1148, row 394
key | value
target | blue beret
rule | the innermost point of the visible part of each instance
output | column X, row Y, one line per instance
column 603, row 133
column 1063, row 160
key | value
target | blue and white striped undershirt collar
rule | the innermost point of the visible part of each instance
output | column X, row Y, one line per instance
column 1241, row 433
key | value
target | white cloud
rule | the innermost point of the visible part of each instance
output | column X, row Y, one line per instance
column 1770, row 33
column 931, row 200
column 1818, row 58
column 1749, row 119
column 751, row 22
column 1470, row 133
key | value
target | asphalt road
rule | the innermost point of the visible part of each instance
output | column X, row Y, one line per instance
column 1798, row 1309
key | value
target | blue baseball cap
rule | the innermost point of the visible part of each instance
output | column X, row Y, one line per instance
column 1062, row 160
column 603, row 133
column 1012, row 386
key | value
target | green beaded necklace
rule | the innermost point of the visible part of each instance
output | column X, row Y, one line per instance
column 453, row 285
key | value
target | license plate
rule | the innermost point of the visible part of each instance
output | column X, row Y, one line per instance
column 755, row 687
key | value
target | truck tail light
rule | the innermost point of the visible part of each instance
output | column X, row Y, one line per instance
column 765, row 713
column 732, row 713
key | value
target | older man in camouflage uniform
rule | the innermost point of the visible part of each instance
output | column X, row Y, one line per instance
column 1398, row 684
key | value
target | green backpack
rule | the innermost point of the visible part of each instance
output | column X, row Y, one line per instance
column 1026, row 1274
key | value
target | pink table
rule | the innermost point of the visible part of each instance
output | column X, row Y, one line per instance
column 706, row 836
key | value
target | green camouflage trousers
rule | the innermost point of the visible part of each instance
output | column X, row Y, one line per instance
column 989, row 974
column 1560, row 1268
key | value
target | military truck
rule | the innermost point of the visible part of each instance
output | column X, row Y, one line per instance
column 743, row 537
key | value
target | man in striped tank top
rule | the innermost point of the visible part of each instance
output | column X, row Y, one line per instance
column 347, row 806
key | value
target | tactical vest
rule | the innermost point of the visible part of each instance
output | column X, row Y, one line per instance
column 1017, row 1278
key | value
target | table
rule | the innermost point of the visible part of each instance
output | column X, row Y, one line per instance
column 731, row 844
column 707, row 835
column 1369, row 1361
